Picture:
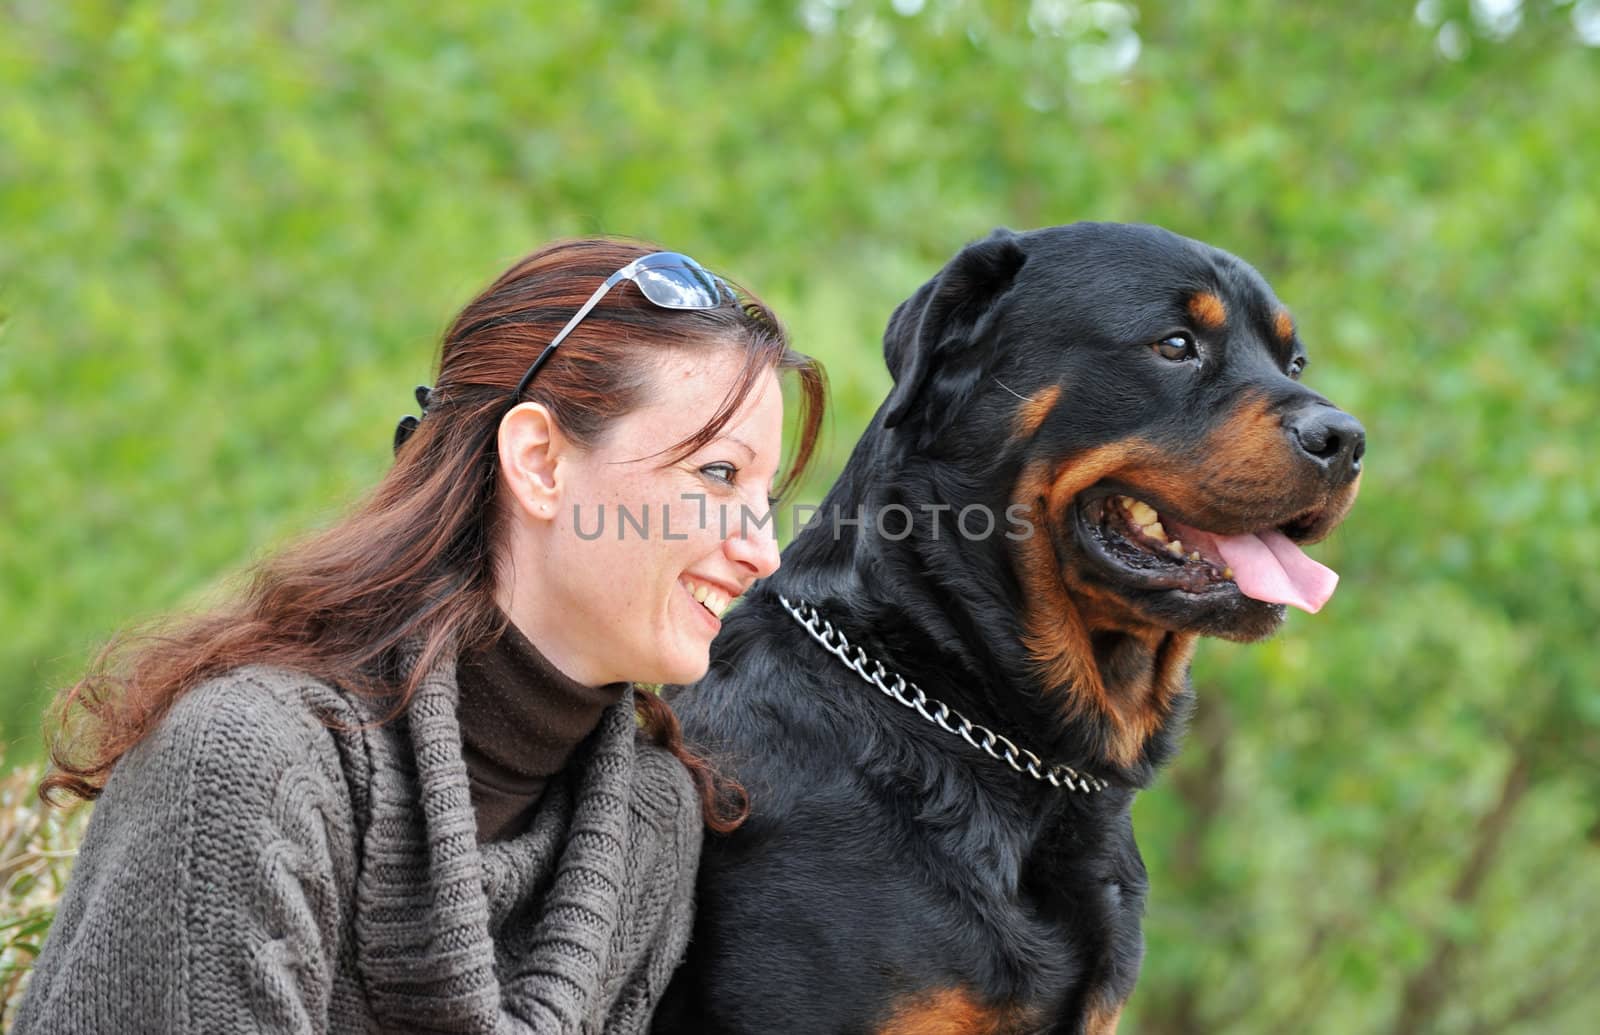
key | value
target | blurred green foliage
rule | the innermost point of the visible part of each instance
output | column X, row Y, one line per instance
column 229, row 239
column 37, row 848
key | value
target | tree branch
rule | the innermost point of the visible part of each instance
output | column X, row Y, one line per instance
column 1425, row 991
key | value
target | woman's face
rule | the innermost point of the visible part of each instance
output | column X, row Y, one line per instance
column 637, row 557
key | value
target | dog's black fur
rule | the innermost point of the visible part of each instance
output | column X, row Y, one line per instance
column 891, row 878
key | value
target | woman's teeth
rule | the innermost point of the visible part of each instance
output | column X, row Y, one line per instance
column 713, row 600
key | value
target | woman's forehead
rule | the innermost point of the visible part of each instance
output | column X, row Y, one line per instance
column 677, row 366
column 688, row 389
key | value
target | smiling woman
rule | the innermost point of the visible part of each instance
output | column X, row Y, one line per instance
column 400, row 785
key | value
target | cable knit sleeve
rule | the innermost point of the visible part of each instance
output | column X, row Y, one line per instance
column 208, row 893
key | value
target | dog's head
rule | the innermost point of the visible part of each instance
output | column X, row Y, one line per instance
column 1148, row 388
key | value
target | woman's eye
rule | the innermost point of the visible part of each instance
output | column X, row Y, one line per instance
column 1177, row 348
column 1297, row 366
column 724, row 473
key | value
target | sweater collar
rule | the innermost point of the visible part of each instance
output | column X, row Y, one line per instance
column 428, row 901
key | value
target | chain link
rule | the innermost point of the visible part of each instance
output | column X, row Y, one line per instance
column 940, row 714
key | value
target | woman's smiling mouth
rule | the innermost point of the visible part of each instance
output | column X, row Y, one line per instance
column 712, row 599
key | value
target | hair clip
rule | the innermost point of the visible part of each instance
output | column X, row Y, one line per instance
column 408, row 423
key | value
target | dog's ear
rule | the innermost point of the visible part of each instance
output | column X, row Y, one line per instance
column 946, row 314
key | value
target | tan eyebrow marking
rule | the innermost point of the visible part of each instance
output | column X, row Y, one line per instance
column 1283, row 323
column 1208, row 310
column 1032, row 413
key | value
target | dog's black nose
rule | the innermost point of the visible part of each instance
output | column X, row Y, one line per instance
column 1332, row 438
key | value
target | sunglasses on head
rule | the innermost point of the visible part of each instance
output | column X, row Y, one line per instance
column 669, row 279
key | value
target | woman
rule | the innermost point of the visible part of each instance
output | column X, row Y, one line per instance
column 400, row 786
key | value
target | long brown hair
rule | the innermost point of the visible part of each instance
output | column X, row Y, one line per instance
column 412, row 564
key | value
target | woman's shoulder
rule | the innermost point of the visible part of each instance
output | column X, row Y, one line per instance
column 241, row 763
column 249, row 724
column 662, row 788
column 259, row 703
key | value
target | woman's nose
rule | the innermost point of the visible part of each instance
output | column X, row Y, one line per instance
column 754, row 545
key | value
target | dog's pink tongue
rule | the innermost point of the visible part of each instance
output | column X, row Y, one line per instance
column 1268, row 566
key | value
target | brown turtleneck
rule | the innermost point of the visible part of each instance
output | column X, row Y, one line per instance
column 521, row 718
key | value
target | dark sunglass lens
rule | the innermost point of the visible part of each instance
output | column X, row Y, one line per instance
column 680, row 287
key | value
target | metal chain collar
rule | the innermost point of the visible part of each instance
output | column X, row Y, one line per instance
column 936, row 712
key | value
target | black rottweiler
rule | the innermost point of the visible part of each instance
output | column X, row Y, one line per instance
column 1097, row 449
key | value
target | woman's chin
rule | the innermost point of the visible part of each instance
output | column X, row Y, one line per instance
column 689, row 667
column 684, row 658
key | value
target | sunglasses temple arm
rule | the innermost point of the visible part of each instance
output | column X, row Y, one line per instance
column 577, row 318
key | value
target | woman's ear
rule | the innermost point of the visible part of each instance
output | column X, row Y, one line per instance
column 531, row 445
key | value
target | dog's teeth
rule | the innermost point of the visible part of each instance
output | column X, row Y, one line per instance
column 1227, row 573
column 1195, row 556
column 1155, row 531
column 1175, row 548
column 1143, row 514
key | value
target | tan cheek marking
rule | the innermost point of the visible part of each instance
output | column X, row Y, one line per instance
column 1283, row 324
column 1208, row 310
column 1103, row 1022
column 1031, row 414
column 949, row 1011
column 1054, row 632
column 1244, row 464
column 1249, row 457
column 1172, row 670
column 1061, row 612
column 1058, row 619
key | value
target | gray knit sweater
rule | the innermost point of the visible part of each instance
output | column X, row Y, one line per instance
column 249, row 869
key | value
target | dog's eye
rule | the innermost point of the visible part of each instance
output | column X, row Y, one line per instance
column 1297, row 366
column 1177, row 348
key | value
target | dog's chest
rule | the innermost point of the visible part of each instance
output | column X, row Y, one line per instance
column 1087, row 881
column 1052, row 940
